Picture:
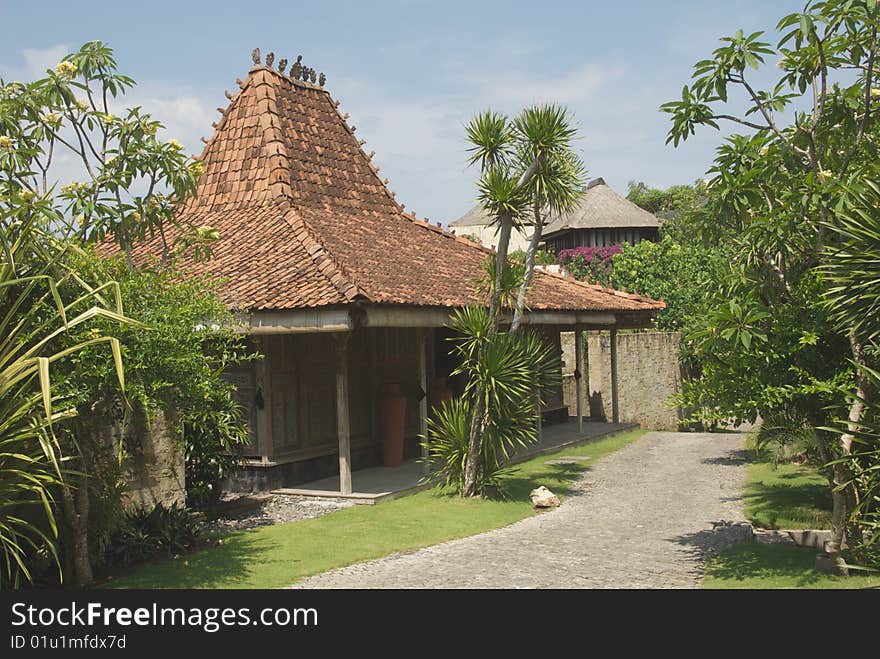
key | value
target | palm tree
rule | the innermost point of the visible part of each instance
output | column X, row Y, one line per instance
column 528, row 166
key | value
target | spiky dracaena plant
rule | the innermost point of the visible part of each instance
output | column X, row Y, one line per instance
column 35, row 314
column 528, row 167
column 507, row 375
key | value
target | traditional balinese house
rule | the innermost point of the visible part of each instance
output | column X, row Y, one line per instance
column 476, row 225
column 344, row 292
column 601, row 218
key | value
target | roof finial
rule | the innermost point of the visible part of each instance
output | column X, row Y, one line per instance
column 255, row 55
column 296, row 69
column 270, row 59
column 322, row 79
column 312, row 76
column 227, row 94
column 282, row 65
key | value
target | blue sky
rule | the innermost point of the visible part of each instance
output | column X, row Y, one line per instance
column 411, row 73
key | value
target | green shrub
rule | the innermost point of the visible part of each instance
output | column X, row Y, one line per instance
column 213, row 436
column 150, row 533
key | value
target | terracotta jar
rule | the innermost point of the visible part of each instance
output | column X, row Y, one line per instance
column 392, row 419
column 440, row 394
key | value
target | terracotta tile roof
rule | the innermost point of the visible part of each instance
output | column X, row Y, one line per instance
column 305, row 221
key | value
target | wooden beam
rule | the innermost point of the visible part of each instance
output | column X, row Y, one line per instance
column 615, row 408
column 559, row 318
column 342, row 414
column 292, row 322
column 406, row 317
column 423, row 383
column 579, row 375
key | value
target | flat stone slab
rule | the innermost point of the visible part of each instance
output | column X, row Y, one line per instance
column 796, row 537
column 649, row 516
column 568, row 460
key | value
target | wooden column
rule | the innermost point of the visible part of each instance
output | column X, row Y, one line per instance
column 423, row 383
column 263, row 382
column 342, row 416
column 540, row 426
column 615, row 409
column 579, row 374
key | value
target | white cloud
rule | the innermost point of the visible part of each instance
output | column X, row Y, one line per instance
column 521, row 88
column 186, row 115
column 34, row 62
column 37, row 60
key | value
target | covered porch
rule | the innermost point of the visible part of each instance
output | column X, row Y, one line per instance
column 313, row 402
column 375, row 484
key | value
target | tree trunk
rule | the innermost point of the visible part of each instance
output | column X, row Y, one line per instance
column 845, row 498
column 472, row 463
column 500, row 265
column 75, row 504
column 530, row 270
column 477, row 429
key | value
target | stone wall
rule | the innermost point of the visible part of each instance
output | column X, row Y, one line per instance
column 155, row 470
column 648, row 374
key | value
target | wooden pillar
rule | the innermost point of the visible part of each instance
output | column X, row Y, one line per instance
column 585, row 371
column 342, row 414
column 540, row 426
column 423, row 383
column 615, row 408
column 263, row 381
column 579, row 374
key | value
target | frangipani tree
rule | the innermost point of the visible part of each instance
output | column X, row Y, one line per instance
column 127, row 179
column 59, row 303
column 810, row 150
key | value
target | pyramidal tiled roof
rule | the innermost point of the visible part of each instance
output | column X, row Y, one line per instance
column 306, row 222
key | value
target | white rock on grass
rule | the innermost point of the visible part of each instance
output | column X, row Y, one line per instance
column 543, row 498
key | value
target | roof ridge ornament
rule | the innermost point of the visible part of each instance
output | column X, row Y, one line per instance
column 298, row 71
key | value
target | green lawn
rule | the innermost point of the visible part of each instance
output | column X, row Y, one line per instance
column 788, row 496
column 277, row 556
column 759, row 566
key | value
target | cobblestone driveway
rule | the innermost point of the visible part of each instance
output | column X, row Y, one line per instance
column 644, row 517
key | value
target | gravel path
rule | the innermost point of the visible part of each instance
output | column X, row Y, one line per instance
column 646, row 516
column 265, row 510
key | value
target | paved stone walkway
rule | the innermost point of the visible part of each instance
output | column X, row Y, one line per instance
column 646, row 516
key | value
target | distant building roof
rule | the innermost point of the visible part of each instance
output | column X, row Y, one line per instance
column 600, row 208
column 475, row 217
